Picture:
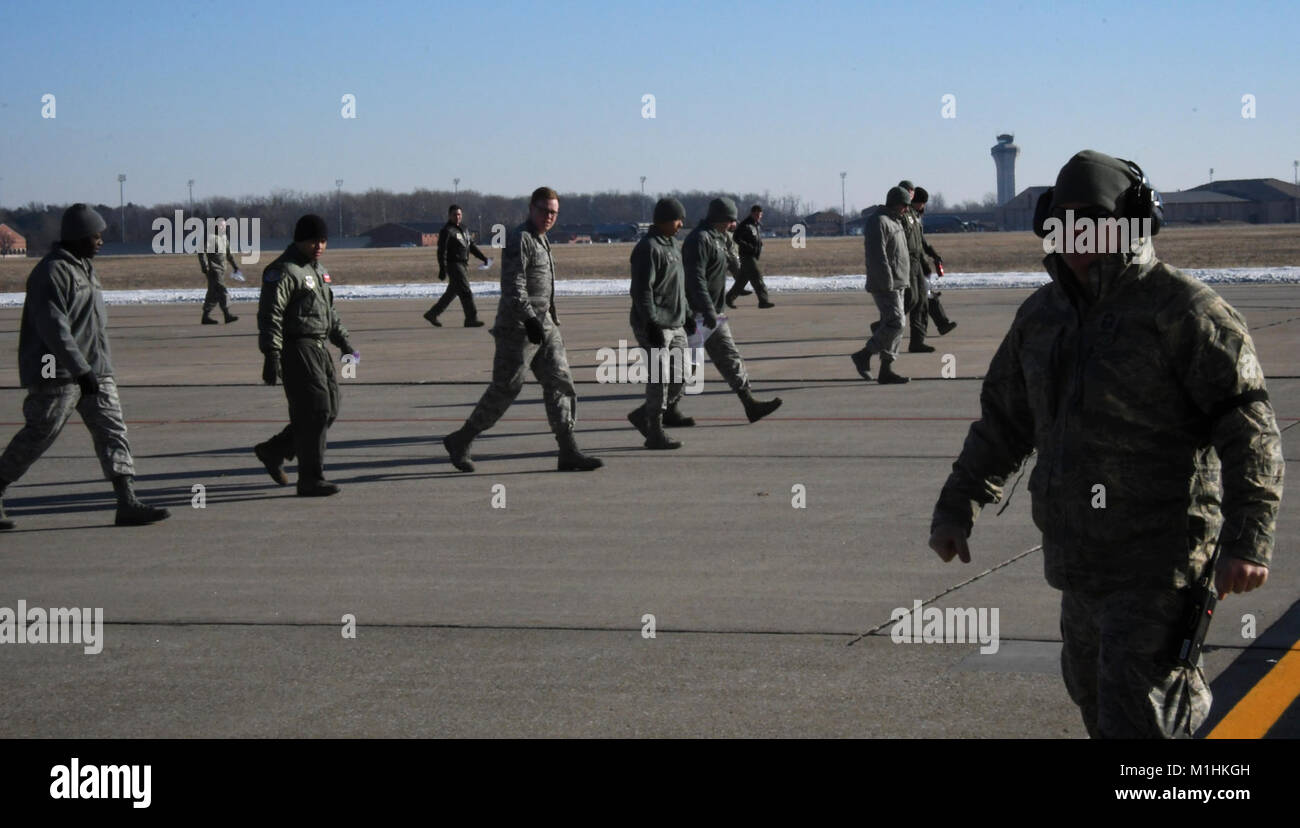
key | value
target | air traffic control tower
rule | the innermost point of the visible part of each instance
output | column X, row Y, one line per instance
column 1004, row 156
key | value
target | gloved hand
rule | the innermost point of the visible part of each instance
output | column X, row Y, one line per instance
column 690, row 324
column 710, row 318
column 89, row 384
column 654, row 334
column 271, row 367
column 535, row 330
column 442, row 275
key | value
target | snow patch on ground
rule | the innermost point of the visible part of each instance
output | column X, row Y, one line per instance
column 619, row 287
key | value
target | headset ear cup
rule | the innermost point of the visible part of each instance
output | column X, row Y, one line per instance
column 1042, row 212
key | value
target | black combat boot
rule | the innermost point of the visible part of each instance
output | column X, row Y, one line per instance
column 946, row 327
column 638, row 420
column 915, row 347
column 655, row 436
column 317, row 488
column 765, row 304
column 457, row 445
column 673, row 418
column 862, row 362
column 432, row 315
column 208, row 320
column 887, row 375
column 274, row 464
column 473, row 322
column 130, row 511
column 754, row 409
column 573, row 460
column 230, row 317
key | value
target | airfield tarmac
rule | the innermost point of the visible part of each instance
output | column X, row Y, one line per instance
column 529, row 620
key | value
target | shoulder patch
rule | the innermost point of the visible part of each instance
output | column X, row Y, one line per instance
column 271, row 276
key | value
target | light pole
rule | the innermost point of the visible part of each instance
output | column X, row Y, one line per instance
column 121, row 200
column 643, row 198
column 338, row 184
column 191, row 186
column 455, row 186
column 1211, row 175
column 1295, row 169
column 844, row 214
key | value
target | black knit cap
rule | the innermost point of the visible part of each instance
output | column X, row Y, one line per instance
column 669, row 209
column 896, row 197
column 920, row 196
column 80, row 221
column 310, row 228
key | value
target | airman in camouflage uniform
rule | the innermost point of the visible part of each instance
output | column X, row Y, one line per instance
column 706, row 261
column 295, row 317
column 213, row 258
column 65, row 364
column 1140, row 390
column 888, row 269
column 527, row 334
column 660, row 322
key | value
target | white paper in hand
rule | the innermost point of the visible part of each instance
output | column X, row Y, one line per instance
column 485, row 265
column 702, row 332
column 238, row 275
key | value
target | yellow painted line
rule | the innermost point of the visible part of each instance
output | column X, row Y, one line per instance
column 1265, row 703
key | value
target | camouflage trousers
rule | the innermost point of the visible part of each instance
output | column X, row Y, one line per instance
column 674, row 342
column 1119, row 667
column 887, row 334
column 217, row 294
column 47, row 408
column 722, row 351
column 514, row 356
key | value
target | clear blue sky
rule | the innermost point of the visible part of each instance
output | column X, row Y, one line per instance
column 245, row 97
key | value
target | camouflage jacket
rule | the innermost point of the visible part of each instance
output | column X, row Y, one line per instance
column 297, row 303
column 527, row 277
column 1148, row 410
column 64, row 317
column 658, row 289
column 215, row 254
column 888, row 263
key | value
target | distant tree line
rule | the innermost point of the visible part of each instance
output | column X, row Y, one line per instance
column 278, row 212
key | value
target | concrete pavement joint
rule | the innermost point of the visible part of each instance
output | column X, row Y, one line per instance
column 950, row 589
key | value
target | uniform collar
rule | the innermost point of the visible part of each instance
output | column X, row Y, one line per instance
column 1105, row 275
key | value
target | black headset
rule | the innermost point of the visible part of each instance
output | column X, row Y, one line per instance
column 1139, row 201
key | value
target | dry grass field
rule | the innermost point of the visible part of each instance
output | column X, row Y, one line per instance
column 1187, row 247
